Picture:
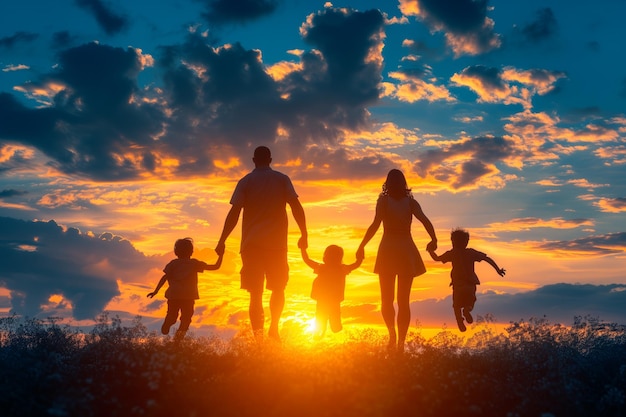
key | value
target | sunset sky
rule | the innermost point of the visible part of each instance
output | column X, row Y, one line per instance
column 126, row 125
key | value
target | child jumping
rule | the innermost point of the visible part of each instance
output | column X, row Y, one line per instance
column 464, row 278
column 182, row 277
column 329, row 287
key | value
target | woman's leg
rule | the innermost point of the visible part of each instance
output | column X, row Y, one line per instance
column 387, row 294
column 404, row 309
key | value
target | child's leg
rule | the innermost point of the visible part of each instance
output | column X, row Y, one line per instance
column 459, row 318
column 186, row 313
column 171, row 316
column 321, row 318
column 469, row 304
column 334, row 317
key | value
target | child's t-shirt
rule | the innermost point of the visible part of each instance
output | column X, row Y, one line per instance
column 463, row 265
column 182, row 277
column 330, row 283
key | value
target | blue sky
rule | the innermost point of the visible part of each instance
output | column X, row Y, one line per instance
column 125, row 125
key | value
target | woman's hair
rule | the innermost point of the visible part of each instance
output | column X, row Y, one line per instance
column 395, row 185
column 183, row 248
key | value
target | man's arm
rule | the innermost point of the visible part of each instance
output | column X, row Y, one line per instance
column 305, row 257
column 298, row 214
column 232, row 218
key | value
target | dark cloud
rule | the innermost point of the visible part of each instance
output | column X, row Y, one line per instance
column 489, row 76
column 93, row 123
column 11, row 193
column 544, row 27
column 108, row 20
column 478, row 154
column 62, row 39
column 10, row 41
column 231, row 98
column 220, row 12
column 214, row 102
column 461, row 19
column 560, row 303
column 41, row 259
column 610, row 243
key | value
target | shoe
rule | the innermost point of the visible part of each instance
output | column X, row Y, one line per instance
column 468, row 316
column 165, row 329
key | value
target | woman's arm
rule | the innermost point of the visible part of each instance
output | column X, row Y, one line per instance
column 419, row 215
column 371, row 230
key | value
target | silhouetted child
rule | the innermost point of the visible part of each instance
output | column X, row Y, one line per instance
column 182, row 277
column 464, row 278
column 329, row 287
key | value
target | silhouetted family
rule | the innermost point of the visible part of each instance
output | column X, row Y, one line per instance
column 262, row 195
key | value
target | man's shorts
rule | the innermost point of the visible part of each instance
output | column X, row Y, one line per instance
column 264, row 265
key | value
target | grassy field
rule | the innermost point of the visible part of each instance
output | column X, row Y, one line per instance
column 535, row 368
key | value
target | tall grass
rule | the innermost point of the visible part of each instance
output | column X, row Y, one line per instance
column 535, row 368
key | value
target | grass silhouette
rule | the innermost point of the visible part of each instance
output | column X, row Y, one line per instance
column 535, row 368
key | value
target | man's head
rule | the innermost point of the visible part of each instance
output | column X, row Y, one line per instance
column 262, row 156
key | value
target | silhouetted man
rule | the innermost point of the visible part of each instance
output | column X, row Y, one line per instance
column 263, row 195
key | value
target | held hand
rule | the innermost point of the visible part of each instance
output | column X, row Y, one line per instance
column 360, row 253
column 220, row 248
column 432, row 246
column 303, row 242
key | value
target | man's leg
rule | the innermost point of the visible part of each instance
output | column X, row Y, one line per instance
column 277, row 304
column 255, row 310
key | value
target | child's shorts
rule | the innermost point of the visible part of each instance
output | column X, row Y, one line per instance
column 463, row 296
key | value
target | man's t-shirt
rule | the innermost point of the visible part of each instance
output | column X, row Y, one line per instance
column 263, row 194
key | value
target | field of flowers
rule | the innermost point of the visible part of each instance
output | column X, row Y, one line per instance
column 535, row 368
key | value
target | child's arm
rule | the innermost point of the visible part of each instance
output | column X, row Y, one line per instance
column 499, row 270
column 305, row 257
column 356, row 264
column 434, row 255
column 216, row 265
column 158, row 287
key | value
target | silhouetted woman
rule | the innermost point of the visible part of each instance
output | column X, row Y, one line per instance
column 398, row 256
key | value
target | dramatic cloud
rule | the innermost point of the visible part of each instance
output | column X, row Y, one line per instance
column 93, row 125
column 467, row 28
column 96, row 121
column 508, row 86
column 559, row 303
column 464, row 163
column 610, row 243
column 43, row 260
column 108, row 20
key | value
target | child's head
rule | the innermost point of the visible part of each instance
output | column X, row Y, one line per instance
column 333, row 255
column 460, row 238
column 183, row 248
